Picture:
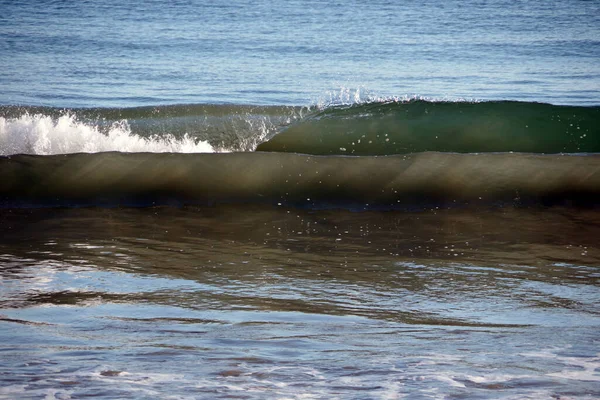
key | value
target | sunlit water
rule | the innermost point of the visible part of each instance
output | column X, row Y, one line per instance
column 253, row 302
column 112, row 53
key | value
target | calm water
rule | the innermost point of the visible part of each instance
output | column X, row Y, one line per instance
column 272, row 275
column 111, row 53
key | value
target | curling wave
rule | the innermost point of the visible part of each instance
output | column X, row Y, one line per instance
column 400, row 127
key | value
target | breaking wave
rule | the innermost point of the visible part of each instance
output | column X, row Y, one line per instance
column 43, row 135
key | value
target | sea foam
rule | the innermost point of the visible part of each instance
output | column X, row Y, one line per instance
column 43, row 135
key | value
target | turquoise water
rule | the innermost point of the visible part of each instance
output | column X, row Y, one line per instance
column 394, row 200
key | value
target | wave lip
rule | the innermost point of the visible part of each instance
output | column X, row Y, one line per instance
column 385, row 128
column 400, row 182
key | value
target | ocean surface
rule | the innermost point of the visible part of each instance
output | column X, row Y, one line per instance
column 300, row 200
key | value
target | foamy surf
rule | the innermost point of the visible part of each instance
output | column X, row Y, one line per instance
column 41, row 134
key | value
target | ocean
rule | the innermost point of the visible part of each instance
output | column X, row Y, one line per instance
column 300, row 199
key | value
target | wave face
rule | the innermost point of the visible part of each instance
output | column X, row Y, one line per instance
column 461, row 127
column 393, row 182
column 177, row 129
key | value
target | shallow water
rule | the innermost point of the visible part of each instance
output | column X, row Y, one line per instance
column 255, row 302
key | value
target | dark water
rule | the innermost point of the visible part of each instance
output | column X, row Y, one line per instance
column 415, row 181
column 421, row 219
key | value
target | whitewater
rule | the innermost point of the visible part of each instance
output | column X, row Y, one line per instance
column 43, row 135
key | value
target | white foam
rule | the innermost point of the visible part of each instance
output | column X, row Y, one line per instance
column 44, row 135
column 577, row 368
column 580, row 369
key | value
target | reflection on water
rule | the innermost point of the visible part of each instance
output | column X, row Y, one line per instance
column 255, row 302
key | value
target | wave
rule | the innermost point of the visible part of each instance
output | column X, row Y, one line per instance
column 360, row 127
column 44, row 158
column 175, row 128
column 401, row 127
column 398, row 182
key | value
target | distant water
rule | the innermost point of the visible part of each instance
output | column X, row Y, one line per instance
column 300, row 199
column 112, row 53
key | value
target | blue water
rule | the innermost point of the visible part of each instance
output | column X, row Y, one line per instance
column 113, row 53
